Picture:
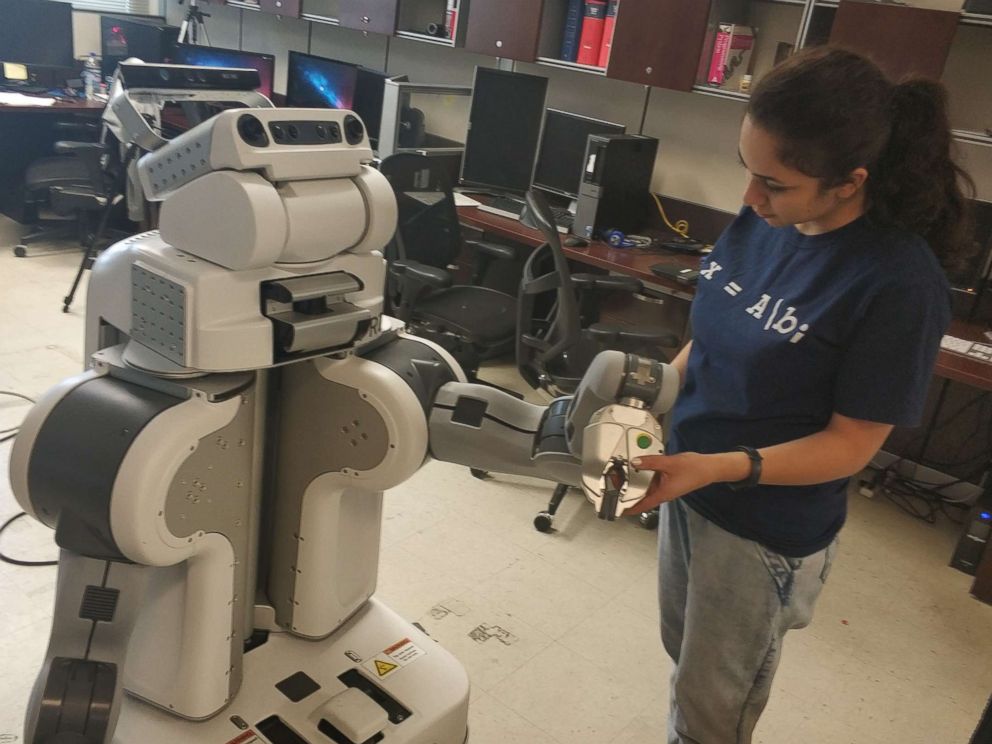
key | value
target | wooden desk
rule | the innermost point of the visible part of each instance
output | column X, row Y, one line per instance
column 635, row 262
column 86, row 108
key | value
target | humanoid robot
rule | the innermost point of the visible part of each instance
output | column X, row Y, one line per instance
column 215, row 477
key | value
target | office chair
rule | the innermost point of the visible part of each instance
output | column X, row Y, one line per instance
column 48, row 172
column 558, row 333
column 104, row 190
column 472, row 322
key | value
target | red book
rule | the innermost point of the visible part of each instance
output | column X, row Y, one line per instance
column 608, row 28
column 591, row 40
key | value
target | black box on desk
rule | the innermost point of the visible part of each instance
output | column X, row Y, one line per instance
column 614, row 193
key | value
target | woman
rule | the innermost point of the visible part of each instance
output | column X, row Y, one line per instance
column 816, row 324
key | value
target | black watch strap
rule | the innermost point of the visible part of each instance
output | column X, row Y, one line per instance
column 754, row 476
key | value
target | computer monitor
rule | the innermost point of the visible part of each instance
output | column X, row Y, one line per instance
column 318, row 82
column 201, row 56
column 503, row 130
column 563, row 146
column 370, row 87
column 36, row 32
column 148, row 39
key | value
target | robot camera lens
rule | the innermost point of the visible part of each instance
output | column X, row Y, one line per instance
column 354, row 130
column 164, row 74
column 252, row 131
column 321, row 131
column 278, row 132
column 294, row 132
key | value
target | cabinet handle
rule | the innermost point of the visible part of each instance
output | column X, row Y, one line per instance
column 365, row 19
column 499, row 44
column 649, row 70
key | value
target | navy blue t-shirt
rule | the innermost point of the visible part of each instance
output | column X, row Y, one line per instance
column 787, row 330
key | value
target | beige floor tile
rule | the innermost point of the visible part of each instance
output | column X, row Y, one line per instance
column 491, row 722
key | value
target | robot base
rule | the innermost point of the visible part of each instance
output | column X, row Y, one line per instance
column 379, row 677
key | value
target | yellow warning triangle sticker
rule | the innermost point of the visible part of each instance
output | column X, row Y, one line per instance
column 384, row 667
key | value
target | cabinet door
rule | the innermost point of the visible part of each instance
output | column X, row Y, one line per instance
column 902, row 40
column 289, row 8
column 505, row 28
column 658, row 42
column 378, row 16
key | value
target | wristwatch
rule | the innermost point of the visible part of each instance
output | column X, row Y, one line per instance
column 754, row 476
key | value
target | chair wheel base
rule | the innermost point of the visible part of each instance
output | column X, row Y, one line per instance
column 543, row 522
column 480, row 474
column 649, row 520
column 20, row 251
column 65, row 308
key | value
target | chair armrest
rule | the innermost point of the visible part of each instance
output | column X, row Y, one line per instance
column 608, row 283
column 493, row 250
column 91, row 154
column 619, row 337
column 422, row 274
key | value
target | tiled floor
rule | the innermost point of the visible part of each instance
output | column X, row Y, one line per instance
column 899, row 653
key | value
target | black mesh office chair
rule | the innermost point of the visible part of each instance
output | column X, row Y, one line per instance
column 103, row 191
column 45, row 173
column 559, row 333
column 473, row 322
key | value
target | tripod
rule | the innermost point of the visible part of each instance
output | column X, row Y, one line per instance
column 193, row 28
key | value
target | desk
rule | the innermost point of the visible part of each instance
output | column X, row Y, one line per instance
column 635, row 262
column 28, row 133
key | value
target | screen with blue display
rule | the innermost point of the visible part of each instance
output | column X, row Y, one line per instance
column 200, row 56
column 317, row 82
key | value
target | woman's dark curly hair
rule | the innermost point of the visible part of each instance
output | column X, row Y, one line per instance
column 833, row 110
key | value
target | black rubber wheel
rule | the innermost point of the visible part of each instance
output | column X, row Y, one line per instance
column 65, row 308
column 543, row 521
column 649, row 520
column 480, row 474
column 20, row 251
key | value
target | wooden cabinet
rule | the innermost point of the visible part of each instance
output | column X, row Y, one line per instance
column 903, row 40
column 658, row 42
column 505, row 28
column 378, row 16
column 290, row 8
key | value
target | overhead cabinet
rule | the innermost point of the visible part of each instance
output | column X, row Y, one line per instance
column 505, row 28
column 376, row 16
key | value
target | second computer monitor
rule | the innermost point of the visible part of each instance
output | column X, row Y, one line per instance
column 201, row 56
column 318, row 82
column 563, row 146
column 504, row 127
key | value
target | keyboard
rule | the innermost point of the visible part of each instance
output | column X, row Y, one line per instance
column 511, row 208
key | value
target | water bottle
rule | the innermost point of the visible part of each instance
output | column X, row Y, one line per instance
column 91, row 77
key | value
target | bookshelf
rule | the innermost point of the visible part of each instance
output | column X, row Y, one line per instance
column 429, row 21
column 552, row 34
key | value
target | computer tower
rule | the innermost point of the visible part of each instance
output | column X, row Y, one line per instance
column 974, row 537
column 614, row 193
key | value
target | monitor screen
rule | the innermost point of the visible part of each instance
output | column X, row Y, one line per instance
column 318, row 82
column 146, row 39
column 369, row 89
column 504, row 126
column 201, row 56
column 36, row 32
column 563, row 146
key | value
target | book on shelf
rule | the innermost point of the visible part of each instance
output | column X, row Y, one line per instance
column 609, row 26
column 731, row 59
column 591, row 39
column 451, row 18
column 572, row 31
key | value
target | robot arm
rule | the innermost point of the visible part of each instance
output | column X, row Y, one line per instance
column 587, row 440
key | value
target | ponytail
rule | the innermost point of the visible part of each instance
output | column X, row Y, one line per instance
column 833, row 111
column 916, row 184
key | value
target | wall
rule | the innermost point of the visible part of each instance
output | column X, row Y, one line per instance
column 697, row 158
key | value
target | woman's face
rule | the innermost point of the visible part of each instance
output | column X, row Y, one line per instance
column 782, row 196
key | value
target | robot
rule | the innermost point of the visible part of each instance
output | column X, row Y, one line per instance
column 215, row 477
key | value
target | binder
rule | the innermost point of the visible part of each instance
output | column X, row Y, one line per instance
column 591, row 40
column 608, row 28
column 451, row 18
column 571, row 31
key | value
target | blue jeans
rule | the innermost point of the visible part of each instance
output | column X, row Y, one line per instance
column 726, row 603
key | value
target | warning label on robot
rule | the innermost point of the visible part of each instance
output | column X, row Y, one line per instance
column 395, row 657
column 248, row 737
